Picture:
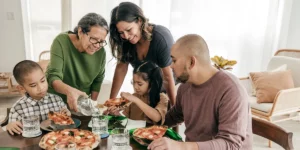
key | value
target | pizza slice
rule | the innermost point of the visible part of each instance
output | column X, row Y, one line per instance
column 150, row 133
column 60, row 118
column 60, row 121
column 117, row 102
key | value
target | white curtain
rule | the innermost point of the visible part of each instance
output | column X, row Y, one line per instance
column 243, row 30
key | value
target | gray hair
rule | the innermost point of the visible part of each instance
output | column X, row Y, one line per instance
column 89, row 20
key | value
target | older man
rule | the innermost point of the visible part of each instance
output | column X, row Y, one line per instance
column 212, row 103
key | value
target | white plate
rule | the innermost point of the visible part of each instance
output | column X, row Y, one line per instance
column 35, row 135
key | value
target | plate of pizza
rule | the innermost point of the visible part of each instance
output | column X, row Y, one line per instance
column 59, row 121
column 83, row 139
column 145, row 136
column 117, row 102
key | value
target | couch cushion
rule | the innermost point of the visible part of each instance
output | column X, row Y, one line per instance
column 268, row 84
column 265, row 107
column 280, row 68
column 292, row 64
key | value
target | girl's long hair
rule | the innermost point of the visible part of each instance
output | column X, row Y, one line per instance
column 152, row 73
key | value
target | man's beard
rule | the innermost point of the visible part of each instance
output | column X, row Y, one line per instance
column 184, row 77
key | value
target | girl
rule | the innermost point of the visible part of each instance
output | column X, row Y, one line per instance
column 147, row 102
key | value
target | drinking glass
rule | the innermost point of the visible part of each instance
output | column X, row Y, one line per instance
column 85, row 106
column 31, row 126
column 100, row 126
column 120, row 138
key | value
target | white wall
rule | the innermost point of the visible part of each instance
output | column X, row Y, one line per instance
column 12, row 46
column 293, row 38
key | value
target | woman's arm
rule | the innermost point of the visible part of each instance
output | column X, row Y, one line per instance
column 169, row 83
column 94, row 95
column 55, row 75
column 120, row 73
column 71, row 93
column 150, row 112
column 97, row 82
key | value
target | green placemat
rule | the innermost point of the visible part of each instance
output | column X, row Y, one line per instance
column 169, row 133
column 115, row 117
column 8, row 148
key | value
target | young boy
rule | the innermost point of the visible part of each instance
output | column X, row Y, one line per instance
column 36, row 101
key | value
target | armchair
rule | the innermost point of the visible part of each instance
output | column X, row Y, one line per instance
column 286, row 101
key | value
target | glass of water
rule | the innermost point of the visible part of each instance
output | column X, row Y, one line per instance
column 100, row 126
column 31, row 126
column 120, row 138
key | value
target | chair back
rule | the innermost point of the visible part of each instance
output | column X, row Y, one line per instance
column 293, row 64
column 295, row 53
column 272, row 132
column 44, row 55
column 5, row 121
column 44, row 60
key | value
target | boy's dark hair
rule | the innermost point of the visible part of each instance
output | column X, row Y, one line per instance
column 23, row 68
column 152, row 73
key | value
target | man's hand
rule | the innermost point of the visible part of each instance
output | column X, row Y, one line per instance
column 165, row 144
column 65, row 110
column 14, row 127
column 72, row 97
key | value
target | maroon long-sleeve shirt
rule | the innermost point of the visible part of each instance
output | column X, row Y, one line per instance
column 216, row 113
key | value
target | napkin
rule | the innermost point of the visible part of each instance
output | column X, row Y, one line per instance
column 131, row 124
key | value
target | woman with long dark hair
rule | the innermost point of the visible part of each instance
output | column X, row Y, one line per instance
column 134, row 40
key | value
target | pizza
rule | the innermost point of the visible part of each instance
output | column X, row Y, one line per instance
column 118, row 102
column 150, row 133
column 60, row 118
column 84, row 140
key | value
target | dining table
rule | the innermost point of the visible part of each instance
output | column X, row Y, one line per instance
column 18, row 141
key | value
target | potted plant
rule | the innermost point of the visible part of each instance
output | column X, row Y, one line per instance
column 222, row 63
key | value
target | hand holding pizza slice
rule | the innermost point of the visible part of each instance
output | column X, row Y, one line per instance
column 117, row 102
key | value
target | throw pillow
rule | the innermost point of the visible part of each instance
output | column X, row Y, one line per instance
column 280, row 68
column 268, row 84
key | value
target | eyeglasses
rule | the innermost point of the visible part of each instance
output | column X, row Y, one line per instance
column 95, row 42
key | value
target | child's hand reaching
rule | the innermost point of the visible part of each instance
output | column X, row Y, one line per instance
column 129, row 97
column 112, row 111
column 14, row 127
column 65, row 110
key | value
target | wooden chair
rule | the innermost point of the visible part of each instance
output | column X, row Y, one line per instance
column 44, row 55
column 272, row 132
column 5, row 121
column 44, row 59
column 6, row 85
column 295, row 53
column 287, row 101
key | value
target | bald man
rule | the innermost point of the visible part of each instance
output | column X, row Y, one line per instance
column 212, row 103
